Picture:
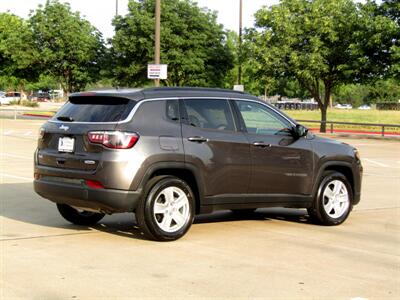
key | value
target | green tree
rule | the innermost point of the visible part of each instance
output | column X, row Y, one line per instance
column 385, row 91
column 43, row 82
column 18, row 56
column 354, row 94
column 321, row 43
column 192, row 44
column 231, row 76
column 71, row 49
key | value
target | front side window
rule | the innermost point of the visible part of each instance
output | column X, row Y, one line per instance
column 259, row 119
column 209, row 114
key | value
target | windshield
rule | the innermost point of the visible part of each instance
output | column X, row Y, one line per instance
column 95, row 109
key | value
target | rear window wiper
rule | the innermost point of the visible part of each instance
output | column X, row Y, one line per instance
column 65, row 119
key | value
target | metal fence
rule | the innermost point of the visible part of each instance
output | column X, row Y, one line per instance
column 287, row 105
column 382, row 127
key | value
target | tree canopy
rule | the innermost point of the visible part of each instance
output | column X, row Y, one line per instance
column 321, row 43
column 297, row 48
column 193, row 44
column 18, row 55
column 70, row 47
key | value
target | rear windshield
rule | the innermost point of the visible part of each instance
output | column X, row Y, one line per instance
column 95, row 109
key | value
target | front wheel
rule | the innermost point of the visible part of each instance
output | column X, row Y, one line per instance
column 79, row 217
column 333, row 202
column 166, row 212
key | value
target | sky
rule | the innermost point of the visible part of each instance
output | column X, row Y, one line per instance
column 101, row 12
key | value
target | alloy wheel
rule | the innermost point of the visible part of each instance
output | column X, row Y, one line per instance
column 336, row 200
column 171, row 209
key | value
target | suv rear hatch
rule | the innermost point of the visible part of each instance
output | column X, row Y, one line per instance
column 64, row 142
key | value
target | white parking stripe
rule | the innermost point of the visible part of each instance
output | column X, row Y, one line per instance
column 27, row 133
column 380, row 175
column 376, row 163
column 16, row 156
column 8, row 132
column 15, row 177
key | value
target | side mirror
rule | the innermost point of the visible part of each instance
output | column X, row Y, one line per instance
column 300, row 131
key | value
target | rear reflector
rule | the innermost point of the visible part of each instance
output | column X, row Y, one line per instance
column 114, row 139
column 94, row 184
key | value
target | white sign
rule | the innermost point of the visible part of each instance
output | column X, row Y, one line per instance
column 157, row 71
column 238, row 87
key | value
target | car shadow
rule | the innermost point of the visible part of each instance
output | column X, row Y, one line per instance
column 261, row 214
column 19, row 202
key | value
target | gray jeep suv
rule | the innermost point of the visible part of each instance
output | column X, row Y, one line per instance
column 167, row 154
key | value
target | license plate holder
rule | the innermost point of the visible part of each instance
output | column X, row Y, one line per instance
column 66, row 144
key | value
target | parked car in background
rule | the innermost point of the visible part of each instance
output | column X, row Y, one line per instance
column 8, row 97
column 167, row 154
column 365, row 106
column 343, row 106
column 40, row 97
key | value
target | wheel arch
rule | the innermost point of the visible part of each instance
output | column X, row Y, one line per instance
column 186, row 172
column 342, row 167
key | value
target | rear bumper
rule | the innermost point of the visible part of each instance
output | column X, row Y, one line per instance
column 103, row 200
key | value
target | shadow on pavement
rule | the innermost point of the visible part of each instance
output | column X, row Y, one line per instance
column 19, row 202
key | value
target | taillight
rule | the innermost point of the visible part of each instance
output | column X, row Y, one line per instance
column 113, row 139
column 94, row 184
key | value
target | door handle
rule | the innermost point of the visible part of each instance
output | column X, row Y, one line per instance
column 262, row 145
column 197, row 139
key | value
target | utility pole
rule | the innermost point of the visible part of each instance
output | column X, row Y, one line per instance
column 240, row 42
column 116, row 7
column 157, row 38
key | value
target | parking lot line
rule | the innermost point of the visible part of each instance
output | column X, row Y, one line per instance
column 15, row 156
column 16, row 177
column 376, row 163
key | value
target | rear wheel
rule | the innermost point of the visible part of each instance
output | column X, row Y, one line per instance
column 333, row 203
column 166, row 211
column 79, row 217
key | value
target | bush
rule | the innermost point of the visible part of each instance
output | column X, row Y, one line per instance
column 29, row 103
column 14, row 102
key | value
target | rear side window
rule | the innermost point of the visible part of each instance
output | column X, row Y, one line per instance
column 172, row 110
column 96, row 109
column 209, row 114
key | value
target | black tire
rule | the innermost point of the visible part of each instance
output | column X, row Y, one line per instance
column 145, row 216
column 318, row 213
column 85, row 218
column 312, row 215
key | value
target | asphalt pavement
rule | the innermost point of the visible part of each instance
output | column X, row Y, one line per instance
column 274, row 253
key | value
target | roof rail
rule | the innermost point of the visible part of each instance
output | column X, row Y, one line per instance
column 186, row 88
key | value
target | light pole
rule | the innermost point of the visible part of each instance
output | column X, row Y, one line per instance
column 240, row 42
column 116, row 7
column 157, row 38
